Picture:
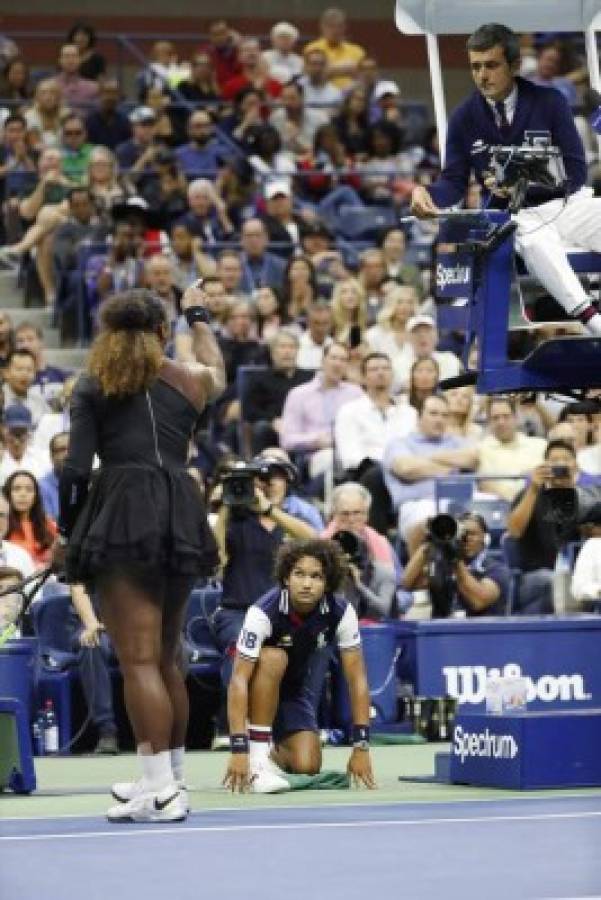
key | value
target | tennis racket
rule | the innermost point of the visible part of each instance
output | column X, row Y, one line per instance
column 16, row 600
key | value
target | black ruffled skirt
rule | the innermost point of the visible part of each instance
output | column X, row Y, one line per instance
column 145, row 516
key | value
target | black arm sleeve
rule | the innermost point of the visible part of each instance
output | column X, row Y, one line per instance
column 73, row 483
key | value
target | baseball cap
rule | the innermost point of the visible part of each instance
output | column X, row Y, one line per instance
column 385, row 87
column 274, row 188
column 17, row 416
column 315, row 228
column 285, row 29
column 416, row 321
column 142, row 114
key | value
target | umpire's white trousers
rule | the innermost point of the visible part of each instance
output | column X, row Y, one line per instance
column 545, row 231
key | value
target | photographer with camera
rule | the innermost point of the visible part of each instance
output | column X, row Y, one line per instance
column 251, row 526
column 372, row 580
column 455, row 566
column 544, row 520
column 510, row 111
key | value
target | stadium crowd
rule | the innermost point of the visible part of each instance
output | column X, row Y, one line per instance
column 276, row 171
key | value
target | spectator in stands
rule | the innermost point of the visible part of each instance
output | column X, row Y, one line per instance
column 19, row 451
column 248, row 540
column 370, row 585
column 372, row 274
column 366, row 425
column 28, row 525
column 201, row 88
column 310, row 410
column 385, row 103
column 548, row 73
column 282, row 62
column 49, row 380
column 170, row 130
column 320, row 93
column 586, row 578
column 15, row 83
column 7, row 343
column 246, row 113
column 223, row 49
column 53, row 423
column 386, row 163
column 80, row 94
column 19, row 378
column 318, row 246
column 76, row 149
column 538, row 531
column 217, row 303
column 82, row 225
column 229, row 271
column 480, row 584
column 422, row 339
column 107, row 125
column 118, row 270
column 506, row 450
column 266, row 159
column 271, row 314
column 412, row 463
column 48, row 483
column 269, row 389
column 349, row 311
column 352, row 123
column 259, row 267
column 579, row 417
column 92, row 65
column 8, row 49
column 159, row 278
column 202, row 157
column 317, row 336
column 300, row 288
column 389, row 335
column 295, row 122
column 589, row 458
column 394, row 245
column 189, row 262
column 342, row 56
column 254, row 72
column 16, row 158
column 207, row 217
column 282, row 224
column 136, row 156
column 167, row 193
column 44, row 117
column 163, row 70
column 462, row 408
column 11, row 554
column 424, row 376
column 46, row 209
column 327, row 165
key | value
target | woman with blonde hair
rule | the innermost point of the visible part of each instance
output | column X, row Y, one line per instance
column 137, row 534
column 349, row 311
column 462, row 408
column 103, row 181
column 45, row 116
column 389, row 335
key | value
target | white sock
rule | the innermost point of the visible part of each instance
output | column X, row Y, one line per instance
column 177, row 762
column 259, row 744
column 156, row 770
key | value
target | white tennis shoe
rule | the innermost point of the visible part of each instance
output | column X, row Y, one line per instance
column 124, row 791
column 168, row 805
column 267, row 778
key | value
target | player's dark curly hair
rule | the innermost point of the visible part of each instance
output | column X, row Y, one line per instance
column 127, row 353
column 328, row 553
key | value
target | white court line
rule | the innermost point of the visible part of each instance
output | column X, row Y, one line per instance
column 452, row 801
column 300, row 826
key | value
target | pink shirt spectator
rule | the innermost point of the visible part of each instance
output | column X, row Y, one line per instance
column 310, row 411
column 77, row 92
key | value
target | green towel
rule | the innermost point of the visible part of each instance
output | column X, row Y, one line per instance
column 327, row 780
column 383, row 740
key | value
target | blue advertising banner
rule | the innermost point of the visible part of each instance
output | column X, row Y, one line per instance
column 453, row 276
column 560, row 657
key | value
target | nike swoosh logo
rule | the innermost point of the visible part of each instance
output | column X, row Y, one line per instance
column 160, row 805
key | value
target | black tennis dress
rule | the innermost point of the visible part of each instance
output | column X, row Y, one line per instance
column 141, row 506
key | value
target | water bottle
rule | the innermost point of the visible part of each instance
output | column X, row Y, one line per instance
column 50, row 728
column 37, row 734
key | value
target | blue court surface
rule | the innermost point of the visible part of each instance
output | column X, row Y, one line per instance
column 317, row 845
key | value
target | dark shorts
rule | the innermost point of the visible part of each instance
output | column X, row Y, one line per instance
column 296, row 712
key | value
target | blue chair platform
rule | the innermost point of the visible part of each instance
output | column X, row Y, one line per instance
column 16, row 759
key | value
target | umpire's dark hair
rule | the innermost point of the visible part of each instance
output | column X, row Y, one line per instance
column 328, row 553
column 492, row 35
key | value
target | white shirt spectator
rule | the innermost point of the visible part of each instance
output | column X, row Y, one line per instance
column 48, row 427
column 283, row 66
column 589, row 459
column 32, row 461
column 362, row 429
column 15, row 557
column 586, row 580
column 34, row 402
column 310, row 354
column 326, row 96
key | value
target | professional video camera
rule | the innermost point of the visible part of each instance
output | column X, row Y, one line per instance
column 239, row 480
column 534, row 165
column 445, row 547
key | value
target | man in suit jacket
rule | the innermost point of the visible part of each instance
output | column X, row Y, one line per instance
column 259, row 267
column 502, row 110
